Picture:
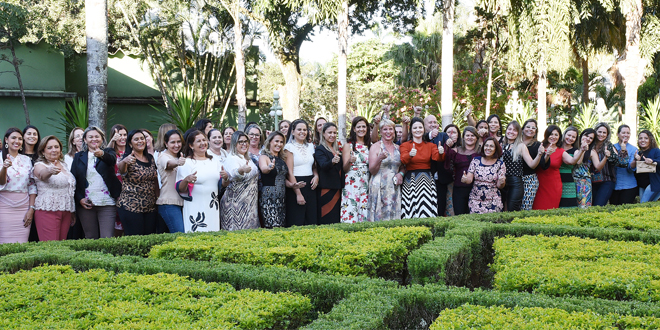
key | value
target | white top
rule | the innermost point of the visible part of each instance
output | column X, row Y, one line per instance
column 19, row 175
column 232, row 164
column 203, row 212
column 56, row 193
column 96, row 191
column 218, row 159
column 68, row 160
column 303, row 158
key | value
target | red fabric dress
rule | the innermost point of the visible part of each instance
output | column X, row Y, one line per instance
column 548, row 195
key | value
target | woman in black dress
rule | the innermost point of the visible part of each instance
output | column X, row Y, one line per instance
column 273, row 176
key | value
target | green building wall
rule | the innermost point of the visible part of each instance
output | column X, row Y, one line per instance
column 50, row 80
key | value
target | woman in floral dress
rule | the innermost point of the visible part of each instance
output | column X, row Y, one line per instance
column 387, row 176
column 488, row 173
column 355, row 195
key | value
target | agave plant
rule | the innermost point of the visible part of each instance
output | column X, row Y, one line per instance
column 650, row 118
column 73, row 114
column 186, row 109
column 585, row 117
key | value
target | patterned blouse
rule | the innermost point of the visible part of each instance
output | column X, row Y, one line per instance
column 19, row 176
column 138, row 190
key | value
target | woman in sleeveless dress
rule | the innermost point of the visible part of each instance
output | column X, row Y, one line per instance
column 386, row 176
column 355, row 195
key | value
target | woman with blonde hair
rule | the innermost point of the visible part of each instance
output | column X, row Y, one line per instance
column 74, row 145
column 274, row 178
column 384, row 202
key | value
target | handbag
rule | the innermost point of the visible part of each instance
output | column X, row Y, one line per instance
column 643, row 167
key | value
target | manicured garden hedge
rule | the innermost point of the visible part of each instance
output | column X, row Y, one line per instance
column 532, row 318
column 459, row 254
column 640, row 218
column 375, row 252
column 56, row 297
column 575, row 266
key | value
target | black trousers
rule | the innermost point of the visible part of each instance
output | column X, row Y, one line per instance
column 301, row 215
column 461, row 197
column 624, row 196
column 138, row 223
column 513, row 193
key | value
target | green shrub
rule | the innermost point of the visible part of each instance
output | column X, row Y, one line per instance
column 372, row 252
column 561, row 266
column 640, row 218
column 532, row 318
column 56, row 297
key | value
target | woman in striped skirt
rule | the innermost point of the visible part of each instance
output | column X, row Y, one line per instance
column 419, row 196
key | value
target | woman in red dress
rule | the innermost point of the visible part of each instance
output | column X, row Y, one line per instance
column 548, row 195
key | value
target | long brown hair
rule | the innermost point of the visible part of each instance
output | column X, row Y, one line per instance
column 352, row 136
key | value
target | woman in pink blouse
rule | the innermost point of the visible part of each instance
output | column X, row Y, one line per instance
column 17, row 190
column 54, row 205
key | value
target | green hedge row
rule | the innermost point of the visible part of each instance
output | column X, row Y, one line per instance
column 532, row 318
column 640, row 218
column 374, row 252
column 561, row 266
column 56, row 297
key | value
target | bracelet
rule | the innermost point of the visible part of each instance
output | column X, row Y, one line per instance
column 402, row 174
column 32, row 207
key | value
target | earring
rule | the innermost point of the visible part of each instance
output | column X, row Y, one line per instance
column 6, row 146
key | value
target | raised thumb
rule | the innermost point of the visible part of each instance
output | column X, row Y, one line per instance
column 413, row 146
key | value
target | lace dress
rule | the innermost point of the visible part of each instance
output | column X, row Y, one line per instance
column 384, row 196
column 355, row 195
column 56, row 193
column 273, row 192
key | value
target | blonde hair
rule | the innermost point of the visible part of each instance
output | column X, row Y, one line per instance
column 160, row 143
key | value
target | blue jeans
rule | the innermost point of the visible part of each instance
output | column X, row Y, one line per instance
column 646, row 195
column 602, row 191
column 173, row 217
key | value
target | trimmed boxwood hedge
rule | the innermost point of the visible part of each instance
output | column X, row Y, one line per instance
column 375, row 252
column 459, row 254
column 56, row 297
column 532, row 318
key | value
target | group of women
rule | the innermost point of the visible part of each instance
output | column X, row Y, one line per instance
column 207, row 180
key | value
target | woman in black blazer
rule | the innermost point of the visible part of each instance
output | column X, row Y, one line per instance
column 331, row 175
column 97, row 186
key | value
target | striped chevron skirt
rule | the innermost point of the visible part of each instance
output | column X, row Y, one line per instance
column 418, row 195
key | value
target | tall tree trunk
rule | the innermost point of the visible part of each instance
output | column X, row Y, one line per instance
column 16, row 63
column 542, row 115
column 585, row 80
column 239, row 62
column 489, row 87
column 96, row 24
column 447, row 64
column 341, row 70
column 631, row 69
column 291, row 94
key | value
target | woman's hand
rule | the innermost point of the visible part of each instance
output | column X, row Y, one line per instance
column 300, row 199
column 399, row 179
column 541, row 150
column 501, row 181
column 648, row 161
column 441, row 150
column 413, row 151
column 607, row 153
column 29, row 216
column 54, row 170
column 637, row 156
column 99, row 153
column 181, row 161
column 7, row 163
column 449, row 143
column 86, row 203
column 73, row 219
column 223, row 174
column 353, row 158
column 464, row 177
column 315, row 182
column 191, row 178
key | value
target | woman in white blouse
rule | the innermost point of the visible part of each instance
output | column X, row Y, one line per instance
column 54, row 205
column 241, row 199
column 17, row 190
column 301, row 206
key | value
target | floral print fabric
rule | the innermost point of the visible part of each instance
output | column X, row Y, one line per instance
column 355, row 195
column 485, row 197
